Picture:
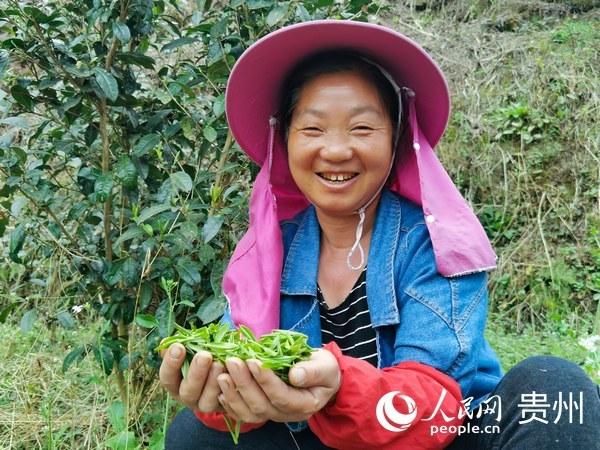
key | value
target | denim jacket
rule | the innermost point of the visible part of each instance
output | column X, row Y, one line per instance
column 418, row 315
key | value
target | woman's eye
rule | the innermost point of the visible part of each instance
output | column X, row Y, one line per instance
column 362, row 128
column 311, row 131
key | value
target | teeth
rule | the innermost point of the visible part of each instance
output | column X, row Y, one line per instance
column 337, row 176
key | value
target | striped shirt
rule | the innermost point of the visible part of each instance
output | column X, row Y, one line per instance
column 349, row 323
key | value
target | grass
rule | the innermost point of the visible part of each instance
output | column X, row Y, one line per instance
column 566, row 343
column 40, row 407
column 43, row 408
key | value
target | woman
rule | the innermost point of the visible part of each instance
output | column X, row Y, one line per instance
column 359, row 239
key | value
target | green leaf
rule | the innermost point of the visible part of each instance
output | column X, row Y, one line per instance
column 181, row 181
column 277, row 14
column 211, row 309
column 75, row 355
column 148, row 229
column 178, row 43
column 302, row 13
column 116, row 416
column 113, row 275
column 152, row 211
column 137, row 59
column 166, row 321
column 28, row 320
column 78, row 72
column 145, row 144
column 210, row 134
column 121, row 32
column 108, row 84
column 157, row 440
column 189, row 231
column 219, row 28
column 259, row 4
column 71, row 102
column 38, row 132
column 17, row 122
column 125, row 440
column 131, row 233
column 19, row 202
column 218, row 106
column 4, row 63
column 4, row 312
column 3, row 225
column 12, row 43
column 91, row 133
column 66, row 320
column 215, row 53
column 105, row 358
column 130, row 273
column 146, row 320
column 21, row 96
column 17, row 238
column 186, row 303
column 37, row 14
column 216, row 276
column 145, row 295
column 188, row 271
column 211, row 227
column 126, row 172
column 103, row 187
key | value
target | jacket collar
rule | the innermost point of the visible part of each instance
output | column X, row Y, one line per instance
column 302, row 262
column 301, row 265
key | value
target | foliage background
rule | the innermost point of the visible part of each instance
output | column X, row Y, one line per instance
column 122, row 193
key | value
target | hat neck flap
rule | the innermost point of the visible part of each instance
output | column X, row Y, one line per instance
column 252, row 278
column 459, row 241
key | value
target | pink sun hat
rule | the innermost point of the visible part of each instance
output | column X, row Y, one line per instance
column 252, row 279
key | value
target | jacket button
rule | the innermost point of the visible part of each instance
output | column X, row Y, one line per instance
column 429, row 218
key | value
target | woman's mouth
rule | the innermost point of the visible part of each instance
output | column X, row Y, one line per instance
column 338, row 178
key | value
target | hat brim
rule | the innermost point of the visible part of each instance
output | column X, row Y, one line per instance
column 252, row 94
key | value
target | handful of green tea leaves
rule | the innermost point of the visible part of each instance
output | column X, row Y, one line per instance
column 278, row 350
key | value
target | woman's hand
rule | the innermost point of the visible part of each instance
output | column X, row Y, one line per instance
column 199, row 390
column 253, row 394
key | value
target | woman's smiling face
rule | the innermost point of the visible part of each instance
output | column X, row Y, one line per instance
column 339, row 142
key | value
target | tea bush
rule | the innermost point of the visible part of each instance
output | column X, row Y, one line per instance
column 118, row 167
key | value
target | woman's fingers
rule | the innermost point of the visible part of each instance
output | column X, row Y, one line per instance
column 320, row 370
column 250, row 392
column 280, row 395
column 170, row 369
column 208, row 401
column 193, row 384
column 316, row 381
column 243, row 395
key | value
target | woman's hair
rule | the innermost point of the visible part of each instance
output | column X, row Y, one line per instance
column 330, row 62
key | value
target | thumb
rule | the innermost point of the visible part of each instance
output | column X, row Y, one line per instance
column 299, row 377
column 321, row 370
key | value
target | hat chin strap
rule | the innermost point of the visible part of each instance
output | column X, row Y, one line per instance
column 361, row 222
column 361, row 211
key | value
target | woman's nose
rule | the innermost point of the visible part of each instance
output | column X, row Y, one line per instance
column 336, row 148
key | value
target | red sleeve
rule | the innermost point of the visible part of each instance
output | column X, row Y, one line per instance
column 216, row 421
column 359, row 418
